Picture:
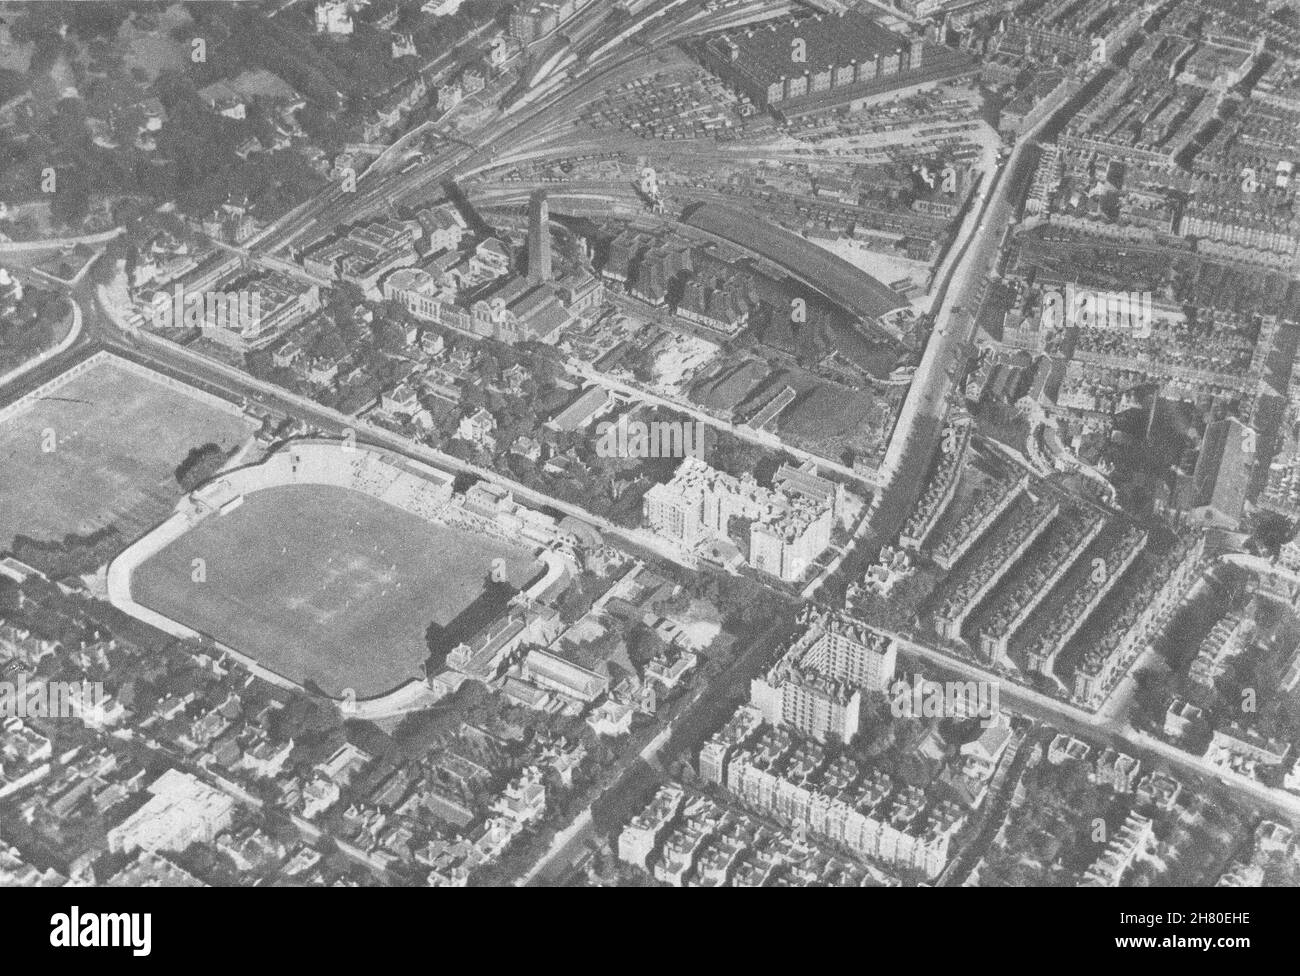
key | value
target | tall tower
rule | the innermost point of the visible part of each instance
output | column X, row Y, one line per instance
column 539, row 238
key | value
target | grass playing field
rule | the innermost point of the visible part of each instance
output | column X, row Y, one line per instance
column 325, row 585
column 117, row 439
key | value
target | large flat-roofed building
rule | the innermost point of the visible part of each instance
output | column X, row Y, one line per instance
column 1223, row 469
column 722, row 745
column 182, row 811
column 365, row 255
column 582, row 412
column 540, row 18
column 789, row 527
column 647, row 829
column 816, row 687
column 554, row 673
column 807, row 63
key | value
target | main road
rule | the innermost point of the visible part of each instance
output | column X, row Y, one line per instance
column 916, row 433
column 1113, row 731
column 234, row 383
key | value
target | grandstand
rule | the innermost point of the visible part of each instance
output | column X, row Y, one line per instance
column 405, row 484
column 387, row 478
column 301, row 578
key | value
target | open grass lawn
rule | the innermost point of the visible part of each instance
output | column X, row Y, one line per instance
column 325, row 585
column 117, row 438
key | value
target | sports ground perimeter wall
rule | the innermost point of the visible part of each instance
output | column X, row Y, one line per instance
column 330, row 464
column 101, row 358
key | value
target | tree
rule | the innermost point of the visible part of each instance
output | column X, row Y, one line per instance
column 199, row 465
column 573, row 603
column 1272, row 531
column 1155, row 687
column 644, row 645
column 914, row 771
column 389, row 336
column 11, row 597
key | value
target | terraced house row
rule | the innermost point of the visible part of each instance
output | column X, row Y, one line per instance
column 984, row 510
column 940, row 489
column 1073, row 602
column 692, row 841
column 1070, row 536
column 839, row 801
column 1227, row 639
column 1141, row 617
column 1027, row 521
column 1200, row 351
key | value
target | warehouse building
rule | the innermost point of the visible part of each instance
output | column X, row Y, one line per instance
column 803, row 64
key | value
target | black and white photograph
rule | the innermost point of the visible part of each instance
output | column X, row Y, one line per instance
column 650, row 443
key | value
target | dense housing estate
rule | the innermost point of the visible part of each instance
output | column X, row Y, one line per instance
column 710, row 443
